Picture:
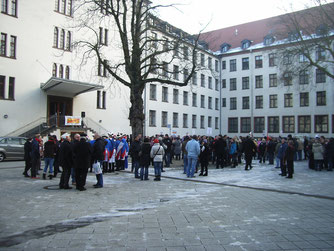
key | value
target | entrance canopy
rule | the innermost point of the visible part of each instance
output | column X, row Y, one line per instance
column 67, row 88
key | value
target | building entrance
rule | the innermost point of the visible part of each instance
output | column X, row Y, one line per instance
column 58, row 108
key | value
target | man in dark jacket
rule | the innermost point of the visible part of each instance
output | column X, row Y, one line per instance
column 50, row 149
column 27, row 157
column 35, row 156
column 134, row 153
column 281, row 154
column 330, row 153
column 144, row 159
column 249, row 149
column 271, row 151
column 289, row 157
column 98, row 156
column 220, row 149
column 82, row 151
column 65, row 161
column 168, row 143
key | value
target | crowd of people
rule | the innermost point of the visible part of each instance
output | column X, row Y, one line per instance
column 109, row 153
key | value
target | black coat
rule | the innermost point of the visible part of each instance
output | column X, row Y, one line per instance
column 145, row 158
column 134, row 150
column 289, row 153
column 82, row 152
column 65, row 154
column 98, row 149
column 220, row 146
column 249, row 147
column 50, row 149
column 27, row 150
column 205, row 154
column 168, row 143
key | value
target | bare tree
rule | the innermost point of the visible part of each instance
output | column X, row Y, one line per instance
column 144, row 55
column 310, row 35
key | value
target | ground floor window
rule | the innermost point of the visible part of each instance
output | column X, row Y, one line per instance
column 273, row 124
column 245, row 125
column 288, row 124
column 258, row 124
column 304, row 124
column 233, row 125
column 321, row 123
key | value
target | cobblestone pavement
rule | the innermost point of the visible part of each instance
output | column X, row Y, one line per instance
column 174, row 214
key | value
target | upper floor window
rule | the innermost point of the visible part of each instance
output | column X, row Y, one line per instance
column 195, row 78
column 9, row 7
column 54, row 70
column 245, row 63
column 272, row 59
column 61, row 71
column 303, row 77
column 194, row 100
column 292, row 36
column 185, row 98
column 62, row 39
column 153, row 92
column 269, row 39
column 259, row 81
column 321, row 98
column 210, row 63
column 302, row 58
column 216, row 84
column 3, row 45
column 164, row 69
column 287, row 59
column 55, row 37
column 185, row 74
column 320, row 53
column 288, row 101
column 287, row 78
column 258, row 102
column 210, row 83
column 176, row 72
column 245, row 83
column 273, row 80
column 202, row 101
column 67, row 72
column 10, row 87
column 233, row 65
column 216, row 65
column 102, row 69
column 224, row 65
column 233, row 84
column 68, row 41
column 233, row 103
column 164, row 94
column 164, row 119
column 103, row 36
column 258, row 61
column 101, row 100
column 202, row 80
column 320, row 76
column 202, row 60
column 175, row 96
column 225, row 47
column 245, row 44
column 210, row 102
column 12, row 47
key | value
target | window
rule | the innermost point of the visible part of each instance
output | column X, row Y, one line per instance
column 245, row 125
column 216, row 123
column 202, row 101
column 176, row 50
column 175, row 119
column 245, row 63
column 12, row 47
column 202, row 122
column 288, row 124
column 288, row 101
column 102, row 69
column 320, row 76
column 166, row 44
column 202, row 60
column 273, row 124
column 303, row 77
column 302, row 58
column 67, row 72
column 216, row 65
column 185, row 120
column 258, row 102
column 233, row 84
column 209, row 122
column 55, row 37
column 185, row 52
column 304, row 124
column 63, row 6
column 62, row 39
column 224, row 65
column 68, row 41
column 185, row 98
column 202, row 80
column 233, row 125
column 223, row 102
column 304, row 99
column 245, row 83
column 245, row 44
column 268, row 40
column 216, row 104
column 164, row 69
column 2, row 86
column 272, row 60
column 194, row 121
column 245, row 102
column 258, row 124
column 153, row 92
column 224, row 83
column 320, row 53
column 164, row 117
column 216, row 84
column 103, row 36
column 176, row 72
column 185, row 74
column 3, row 49
column 210, row 63
column 54, row 70
column 195, row 78
column 194, row 103
column 175, row 96
column 273, row 80
column 61, row 71
column 57, row 5
column 321, row 123
column 69, row 8
column 259, row 81
column 164, row 94
column 233, row 103
column 233, row 65
column 321, row 98
column 11, row 88
column 101, row 100
column 273, row 101
column 4, row 6
column 258, row 61
column 152, row 118
column 287, row 59
column 154, row 38
column 210, row 102
column 210, row 82
column 287, row 78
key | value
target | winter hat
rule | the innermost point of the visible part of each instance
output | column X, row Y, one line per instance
column 156, row 141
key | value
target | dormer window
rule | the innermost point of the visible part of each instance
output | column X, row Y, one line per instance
column 225, row 47
column 268, row 40
column 293, row 36
column 322, row 30
column 245, row 44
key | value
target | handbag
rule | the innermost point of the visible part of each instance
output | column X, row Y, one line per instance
column 97, row 168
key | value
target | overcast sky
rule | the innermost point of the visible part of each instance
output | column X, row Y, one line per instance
column 194, row 15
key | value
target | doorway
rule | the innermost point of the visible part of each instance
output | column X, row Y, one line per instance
column 58, row 108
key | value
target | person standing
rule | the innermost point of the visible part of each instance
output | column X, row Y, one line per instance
column 233, row 152
column 50, row 149
column 249, row 148
column 65, row 161
column 35, row 156
column 168, row 143
column 220, row 147
column 82, row 152
column 177, row 148
column 27, row 157
column 98, row 157
column 271, row 151
column 157, row 153
column 134, row 153
column 144, row 158
column 204, row 158
column 185, row 154
column 318, row 151
column 289, row 157
column 281, row 154
column 262, row 151
column 193, row 151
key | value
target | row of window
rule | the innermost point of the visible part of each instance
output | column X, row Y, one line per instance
column 321, row 124
column 9, row 7
column 5, row 40
column 304, row 100
column 176, row 95
column 175, row 122
column 7, row 87
column 64, row 7
column 62, row 39
column 61, row 71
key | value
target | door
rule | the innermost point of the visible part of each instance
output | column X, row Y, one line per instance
column 58, row 108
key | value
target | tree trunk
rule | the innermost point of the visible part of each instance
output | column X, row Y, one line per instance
column 136, row 114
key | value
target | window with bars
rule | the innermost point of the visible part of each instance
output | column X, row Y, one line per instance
column 304, row 124
column 245, row 83
column 304, row 99
column 164, row 119
column 288, row 124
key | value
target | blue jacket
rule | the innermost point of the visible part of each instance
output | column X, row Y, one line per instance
column 281, row 150
column 233, row 148
column 193, row 148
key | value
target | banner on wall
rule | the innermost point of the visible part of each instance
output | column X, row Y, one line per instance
column 73, row 120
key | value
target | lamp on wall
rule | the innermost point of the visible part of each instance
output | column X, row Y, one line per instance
column 5, row 116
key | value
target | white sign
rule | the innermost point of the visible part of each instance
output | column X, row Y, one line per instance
column 209, row 131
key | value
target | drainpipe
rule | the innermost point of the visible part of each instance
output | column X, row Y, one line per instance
column 251, row 83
